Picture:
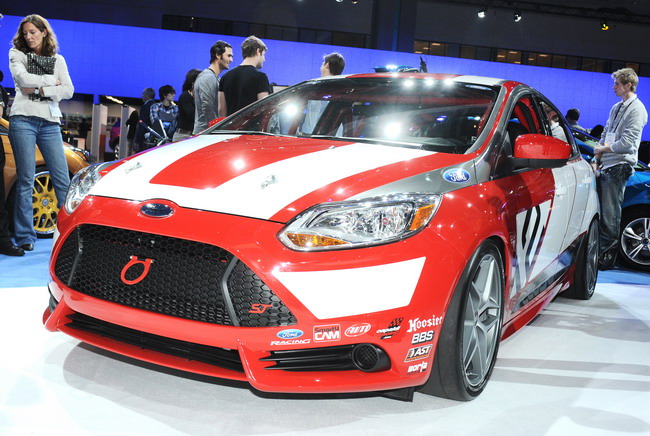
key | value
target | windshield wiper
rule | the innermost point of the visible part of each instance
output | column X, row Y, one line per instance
column 245, row 132
column 366, row 140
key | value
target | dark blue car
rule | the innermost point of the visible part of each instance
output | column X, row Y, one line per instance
column 635, row 221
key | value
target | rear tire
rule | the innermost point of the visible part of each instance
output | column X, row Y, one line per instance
column 586, row 272
column 470, row 335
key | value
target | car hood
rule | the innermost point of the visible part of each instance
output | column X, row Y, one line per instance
column 265, row 177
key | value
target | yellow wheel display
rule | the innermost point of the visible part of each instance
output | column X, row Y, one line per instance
column 44, row 204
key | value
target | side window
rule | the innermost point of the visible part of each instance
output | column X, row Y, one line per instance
column 554, row 123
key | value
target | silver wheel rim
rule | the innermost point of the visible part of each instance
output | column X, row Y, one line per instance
column 592, row 258
column 482, row 320
column 635, row 241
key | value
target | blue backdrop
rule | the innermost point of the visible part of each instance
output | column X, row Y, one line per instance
column 121, row 61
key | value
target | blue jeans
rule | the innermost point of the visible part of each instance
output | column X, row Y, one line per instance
column 24, row 133
column 611, row 189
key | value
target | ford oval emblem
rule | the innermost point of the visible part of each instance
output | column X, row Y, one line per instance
column 290, row 334
column 157, row 210
column 456, row 175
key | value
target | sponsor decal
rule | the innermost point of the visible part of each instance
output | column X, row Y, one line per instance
column 292, row 342
column 259, row 307
column 418, row 367
column 146, row 264
column 290, row 334
column 417, row 324
column 418, row 353
column 393, row 327
column 327, row 333
column 418, row 338
column 456, row 175
column 357, row 330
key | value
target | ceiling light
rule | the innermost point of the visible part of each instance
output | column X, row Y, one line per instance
column 604, row 25
column 482, row 13
column 354, row 2
column 339, row 1
column 517, row 16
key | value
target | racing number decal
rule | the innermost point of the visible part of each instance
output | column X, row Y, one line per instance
column 531, row 229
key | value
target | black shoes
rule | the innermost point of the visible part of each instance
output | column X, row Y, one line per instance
column 607, row 260
column 27, row 247
column 11, row 250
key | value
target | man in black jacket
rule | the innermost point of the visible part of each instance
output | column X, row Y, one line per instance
column 145, row 116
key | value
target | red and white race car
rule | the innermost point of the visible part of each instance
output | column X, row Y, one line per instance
column 377, row 232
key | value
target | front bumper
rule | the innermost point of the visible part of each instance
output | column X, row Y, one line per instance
column 340, row 308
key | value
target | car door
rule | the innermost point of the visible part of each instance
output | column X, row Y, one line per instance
column 539, row 209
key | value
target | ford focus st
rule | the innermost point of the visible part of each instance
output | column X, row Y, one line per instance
column 377, row 232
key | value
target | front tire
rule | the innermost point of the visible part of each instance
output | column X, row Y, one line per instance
column 470, row 335
column 635, row 239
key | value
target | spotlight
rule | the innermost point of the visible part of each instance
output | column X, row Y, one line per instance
column 517, row 16
column 604, row 25
column 339, row 1
column 354, row 2
column 482, row 13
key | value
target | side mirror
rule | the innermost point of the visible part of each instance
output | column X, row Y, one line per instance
column 215, row 121
column 540, row 151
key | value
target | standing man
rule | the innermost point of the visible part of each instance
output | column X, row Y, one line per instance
column 244, row 84
column 333, row 65
column 164, row 114
column 616, row 155
column 206, row 87
column 148, row 95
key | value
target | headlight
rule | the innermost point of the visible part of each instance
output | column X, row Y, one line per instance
column 81, row 184
column 331, row 226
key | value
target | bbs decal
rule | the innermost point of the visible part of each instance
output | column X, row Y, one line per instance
column 421, row 337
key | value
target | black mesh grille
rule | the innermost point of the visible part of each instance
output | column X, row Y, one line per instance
column 185, row 277
column 246, row 289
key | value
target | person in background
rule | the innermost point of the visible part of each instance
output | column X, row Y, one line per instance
column 148, row 95
column 333, row 65
column 4, row 98
column 83, row 128
column 41, row 80
column 206, row 86
column 165, row 112
column 244, row 84
column 615, row 157
column 7, row 246
column 132, row 127
column 572, row 116
column 186, row 107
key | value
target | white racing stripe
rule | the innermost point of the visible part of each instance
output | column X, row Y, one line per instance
column 300, row 175
column 259, row 193
column 354, row 291
column 131, row 180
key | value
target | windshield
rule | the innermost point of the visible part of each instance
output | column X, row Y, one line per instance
column 431, row 114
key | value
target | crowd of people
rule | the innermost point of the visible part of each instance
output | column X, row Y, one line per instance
column 41, row 81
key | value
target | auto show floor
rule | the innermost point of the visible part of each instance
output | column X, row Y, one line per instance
column 581, row 368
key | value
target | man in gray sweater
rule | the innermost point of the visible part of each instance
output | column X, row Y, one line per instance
column 206, row 87
column 615, row 156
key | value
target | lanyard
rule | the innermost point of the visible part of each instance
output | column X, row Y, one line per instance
column 617, row 120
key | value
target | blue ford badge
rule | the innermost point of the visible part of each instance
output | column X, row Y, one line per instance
column 157, row 210
column 290, row 334
column 456, row 175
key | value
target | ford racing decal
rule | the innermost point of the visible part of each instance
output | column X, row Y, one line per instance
column 456, row 175
column 290, row 334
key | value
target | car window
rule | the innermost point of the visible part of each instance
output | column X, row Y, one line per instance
column 431, row 114
column 555, row 125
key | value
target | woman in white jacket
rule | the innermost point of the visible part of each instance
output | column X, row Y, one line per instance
column 41, row 79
